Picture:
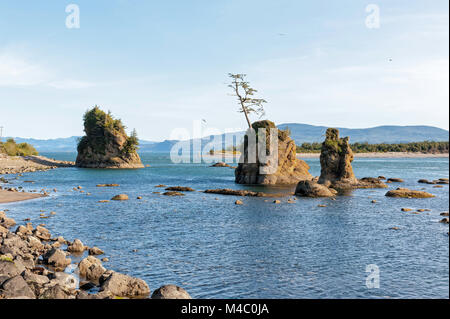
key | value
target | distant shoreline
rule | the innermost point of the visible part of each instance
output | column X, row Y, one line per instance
column 383, row 155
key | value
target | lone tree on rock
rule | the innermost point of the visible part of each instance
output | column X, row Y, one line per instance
column 245, row 93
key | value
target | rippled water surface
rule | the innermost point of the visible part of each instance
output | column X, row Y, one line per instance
column 215, row 249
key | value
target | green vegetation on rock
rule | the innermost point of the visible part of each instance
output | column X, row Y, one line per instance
column 106, row 144
column 11, row 148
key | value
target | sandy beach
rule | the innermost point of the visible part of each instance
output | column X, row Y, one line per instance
column 24, row 164
column 9, row 197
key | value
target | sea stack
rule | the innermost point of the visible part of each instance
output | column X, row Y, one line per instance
column 290, row 170
column 106, row 145
column 336, row 174
column 336, row 159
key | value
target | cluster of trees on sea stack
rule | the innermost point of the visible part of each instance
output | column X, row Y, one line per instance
column 416, row 147
column 11, row 148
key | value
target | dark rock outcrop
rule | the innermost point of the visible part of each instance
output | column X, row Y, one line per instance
column 106, row 145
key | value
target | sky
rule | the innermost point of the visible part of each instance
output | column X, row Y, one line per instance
column 163, row 65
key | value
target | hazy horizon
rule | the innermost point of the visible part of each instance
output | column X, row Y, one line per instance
column 161, row 66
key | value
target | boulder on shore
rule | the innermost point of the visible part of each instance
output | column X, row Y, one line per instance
column 125, row 286
column 287, row 169
column 76, row 247
column 56, row 258
column 170, row 292
column 91, row 268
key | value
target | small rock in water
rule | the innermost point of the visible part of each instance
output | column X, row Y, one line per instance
column 321, row 205
column 395, row 228
column 103, row 201
column 277, row 201
column 76, row 247
column 444, row 214
column 406, row 209
column 139, row 197
column 238, row 202
column 373, row 201
column 173, row 194
column 120, row 197
column 395, row 180
column 95, row 251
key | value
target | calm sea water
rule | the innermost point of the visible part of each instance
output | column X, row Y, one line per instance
column 215, row 249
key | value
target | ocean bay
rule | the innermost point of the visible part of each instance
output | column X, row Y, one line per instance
column 215, row 249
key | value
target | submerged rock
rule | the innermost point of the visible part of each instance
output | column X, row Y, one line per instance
column 106, row 145
column 395, row 180
column 173, row 194
column 180, row 189
column 408, row 193
column 289, row 169
column 220, row 164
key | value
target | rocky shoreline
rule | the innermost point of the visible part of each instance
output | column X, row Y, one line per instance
column 32, row 264
column 27, row 164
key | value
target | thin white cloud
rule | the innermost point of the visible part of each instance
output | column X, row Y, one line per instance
column 15, row 71
column 69, row 84
column 18, row 71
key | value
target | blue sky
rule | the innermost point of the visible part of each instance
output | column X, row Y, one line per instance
column 160, row 65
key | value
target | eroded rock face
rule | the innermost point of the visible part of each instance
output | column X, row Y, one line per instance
column 106, row 145
column 290, row 170
column 336, row 160
column 170, row 292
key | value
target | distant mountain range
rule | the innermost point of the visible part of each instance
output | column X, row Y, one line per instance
column 301, row 133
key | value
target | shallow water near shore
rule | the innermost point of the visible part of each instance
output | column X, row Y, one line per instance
column 215, row 249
